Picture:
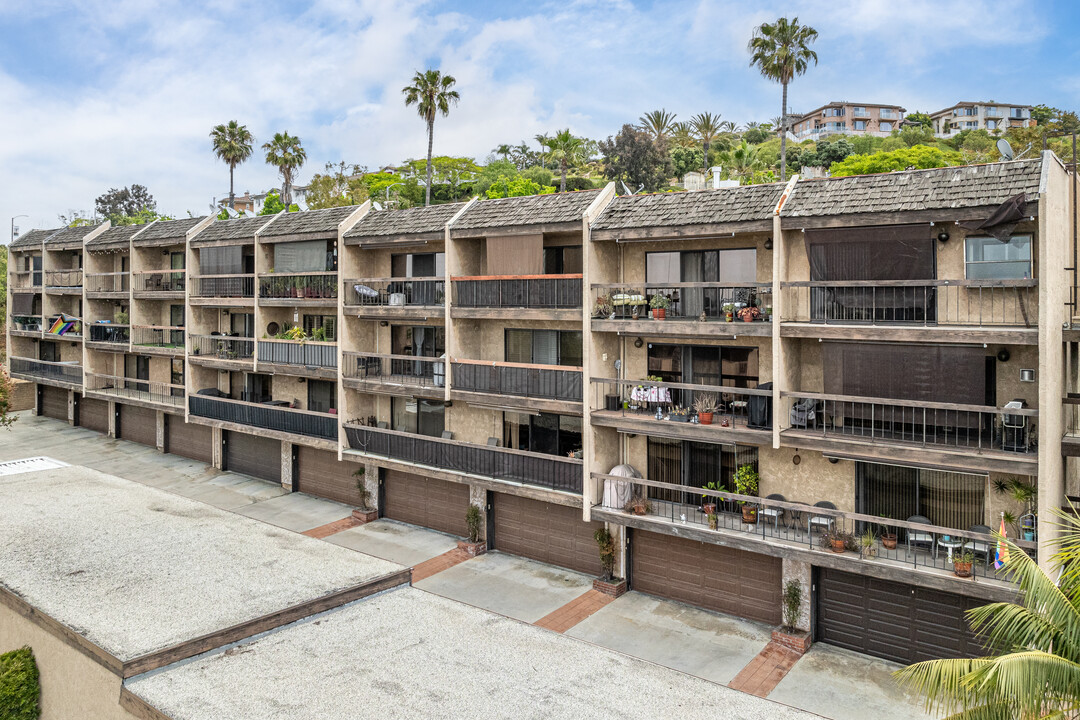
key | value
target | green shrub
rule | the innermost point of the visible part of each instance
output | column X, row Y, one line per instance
column 20, row 688
column 474, row 519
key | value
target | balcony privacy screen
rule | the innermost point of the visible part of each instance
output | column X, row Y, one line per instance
column 221, row 260
column 901, row 252
column 22, row 304
column 952, row 500
column 299, row 257
column 515, row 255
column 931, row 373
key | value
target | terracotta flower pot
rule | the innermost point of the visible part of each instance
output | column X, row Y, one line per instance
column 659, row 313
column 749, row 514
column 639, row 509
column 748, row 318
column 837, row 545
column 888, row 541
column 709, row 508
column 962, row 569
column 705, row 418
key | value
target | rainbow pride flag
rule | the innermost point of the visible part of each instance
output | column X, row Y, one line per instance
column 1001, row 552
column 63, row 324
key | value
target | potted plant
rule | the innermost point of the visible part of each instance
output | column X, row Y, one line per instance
column 679, row 414
column 729, row 312
column 835, row 540
column 705, row 406
column 474, row 521
column 886, row 534
column 867, row 545
column 1026, row 495
column 121, row 318
column 635, row 311
column 746, row 483
column 714, row 520
column 659, row 304
column 962, row 562
column 637, row 505
column 319, row 334
column 708, row 502
column 749, row 313
column 607, row 583
column 194, row 349
column 365, row 513
column 603, row 308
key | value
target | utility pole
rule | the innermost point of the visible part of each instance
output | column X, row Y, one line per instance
column 13, row 226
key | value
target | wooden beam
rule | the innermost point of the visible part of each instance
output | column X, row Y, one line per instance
column 529, row 405
column 573, row 226
column 510, row 313
column 917, row 334
column 712, row 329
column 138, row 707
column 684, row 232
column 942, row 215
column 651, row 427
column 403, row 240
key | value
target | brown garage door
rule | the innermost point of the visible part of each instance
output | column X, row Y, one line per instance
column 321, row 473
column 432, row 503
column 94, row 414
column 138, row 424
column 54, row 402
column 891, row 620
column 549, row 533
column 188, row 439
column 718, row 578
column 252, row 455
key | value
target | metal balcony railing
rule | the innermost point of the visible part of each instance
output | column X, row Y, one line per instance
column 135, row 389
column 307, row 354
column 160, row 281
column 669, row 402
column 222, row 286
column 307, row 286
column 549, row 471
column 268, row 417
column 518, row 291
column 114, row 282
column 750, row 302
column 550, row 382
column 26, row 323
column 222, row 347
column 167, row 337
column 395, row 369
column 30, row 369
column 394, row 292
column 110, row 333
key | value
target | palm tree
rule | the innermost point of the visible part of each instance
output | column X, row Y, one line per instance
column 503, row 150
column 431, row 93
column 743, row 161
column 682, row 134
column 567, row 150
column 1037, row 673
column 707, row 127
column 232, row 143
column 781, row 51
column 286, row 154
column 659, row 123
column 544, row 141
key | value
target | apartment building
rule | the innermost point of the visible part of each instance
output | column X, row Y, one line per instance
column 846, row 118
column 990, row 116
column 871, row 348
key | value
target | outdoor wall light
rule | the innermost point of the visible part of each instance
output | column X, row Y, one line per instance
column 795, row 459
column 1003, row 356
column 383, row 323
column 943, row 236
column 768, row 243
column 834, row 460
column 638, row 342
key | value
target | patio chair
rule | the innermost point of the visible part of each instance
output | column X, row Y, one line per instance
column 771, row 513
column 825, row 522
column 918, row 537
column 978, row 546
column 803, row 413
column 154, row 282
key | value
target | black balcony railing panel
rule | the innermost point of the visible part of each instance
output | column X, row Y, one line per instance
column 394, row 292
column 305, row 354
column 508, row 379
column 64, row 372
column 110, row 333
column 267, row 417
column 539, row 291
column 547, row 471
column 223, row 286
column 298, row 286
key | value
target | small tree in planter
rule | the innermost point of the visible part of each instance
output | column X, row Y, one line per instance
column 365, row 513
column 474, row 521
column 607, row 583
column 792, row 605
column 659, row 304
column 746, row 483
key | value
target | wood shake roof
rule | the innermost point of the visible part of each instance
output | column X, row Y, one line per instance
column 116, row 237
column 309, row 222
column 167, row 230
column 552, row 209
column 238, row 229
column 410, row 221
column 32, row 238
column 70, row 237
column 701, row 207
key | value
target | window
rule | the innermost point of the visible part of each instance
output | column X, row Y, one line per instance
column 887, row 113
column 970, row 124
column 694, row 464
column 858, row 124
column 991, row 124
column 542, row 433
column 328, row 323
column 993, row 112
column 544, row 347
column 321, row 396
column 49, row 352
column 952, row 500
column 886, row 127
column 704, row 365
column 243, row 324
column 416, row 265
column 734, row 265
column 1016, row 113
column 176, row 376
column 256, row 388
column 988, row 258
column 565, row 260
column 176, row 315
column 417, row 341
column 860, row 112
column 422, row 417
column 834, row 112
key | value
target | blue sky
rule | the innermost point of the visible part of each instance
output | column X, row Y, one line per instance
column 105, row 93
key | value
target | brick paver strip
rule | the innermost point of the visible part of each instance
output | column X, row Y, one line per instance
column 437, row 564
column 762, row 674
column 574, row 611
column 329, row 529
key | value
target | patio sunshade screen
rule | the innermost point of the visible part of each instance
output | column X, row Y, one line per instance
column 948, row 499
column 931, row 373
column 294, row 257
column 896, row 252
column 515, row 255
column 221, row 260
column 22, row 304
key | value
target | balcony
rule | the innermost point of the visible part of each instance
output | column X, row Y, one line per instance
column 1070, row 442
column 410, row 375
column 795, row 529
column 67, row 374
column 161, row 284
column 378, row 298
column 131, row 389
column 110, row 334
column 988, row 437
column 208, row 349
column 26, row 280
column 645, row 407
column 70, row 329
column 528, row 297
column 309, row 355
column 64, row 282
column 222, row 290
column 26, row 325
column 165, row 340
column 1007, row 309
column 516, row 466
column 307, row 289
column 104, row 286
column 323, row 426
column 692, row 308
column 551, row 388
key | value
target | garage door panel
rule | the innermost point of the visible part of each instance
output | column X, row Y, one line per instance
column 253, row 455
column 138, row 424
column 710, row 576
column 94, row 414
column 428, row 502
column 54, row 402
column 320, row 473
column 895, row 621
column 188, row 439
column 545, row 532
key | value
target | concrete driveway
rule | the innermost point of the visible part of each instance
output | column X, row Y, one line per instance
column 397, row 542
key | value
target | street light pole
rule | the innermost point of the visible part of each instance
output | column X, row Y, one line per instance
column 13, row 226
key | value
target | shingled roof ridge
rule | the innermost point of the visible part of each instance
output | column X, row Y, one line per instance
column 915, row 171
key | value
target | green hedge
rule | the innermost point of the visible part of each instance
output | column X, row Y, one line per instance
column 20, row 691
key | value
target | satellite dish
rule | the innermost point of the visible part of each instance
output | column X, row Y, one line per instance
column 377, row 206
column 248, row 214
column 1005, row 149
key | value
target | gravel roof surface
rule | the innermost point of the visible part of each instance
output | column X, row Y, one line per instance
column 232, row 229
column 530, row 210
column 406, row 653
column 404, row 222
column 309, row 221
column 134, row 569
column 33, row 237
column 700, row 207
column 169, row 229
column 940, row 188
